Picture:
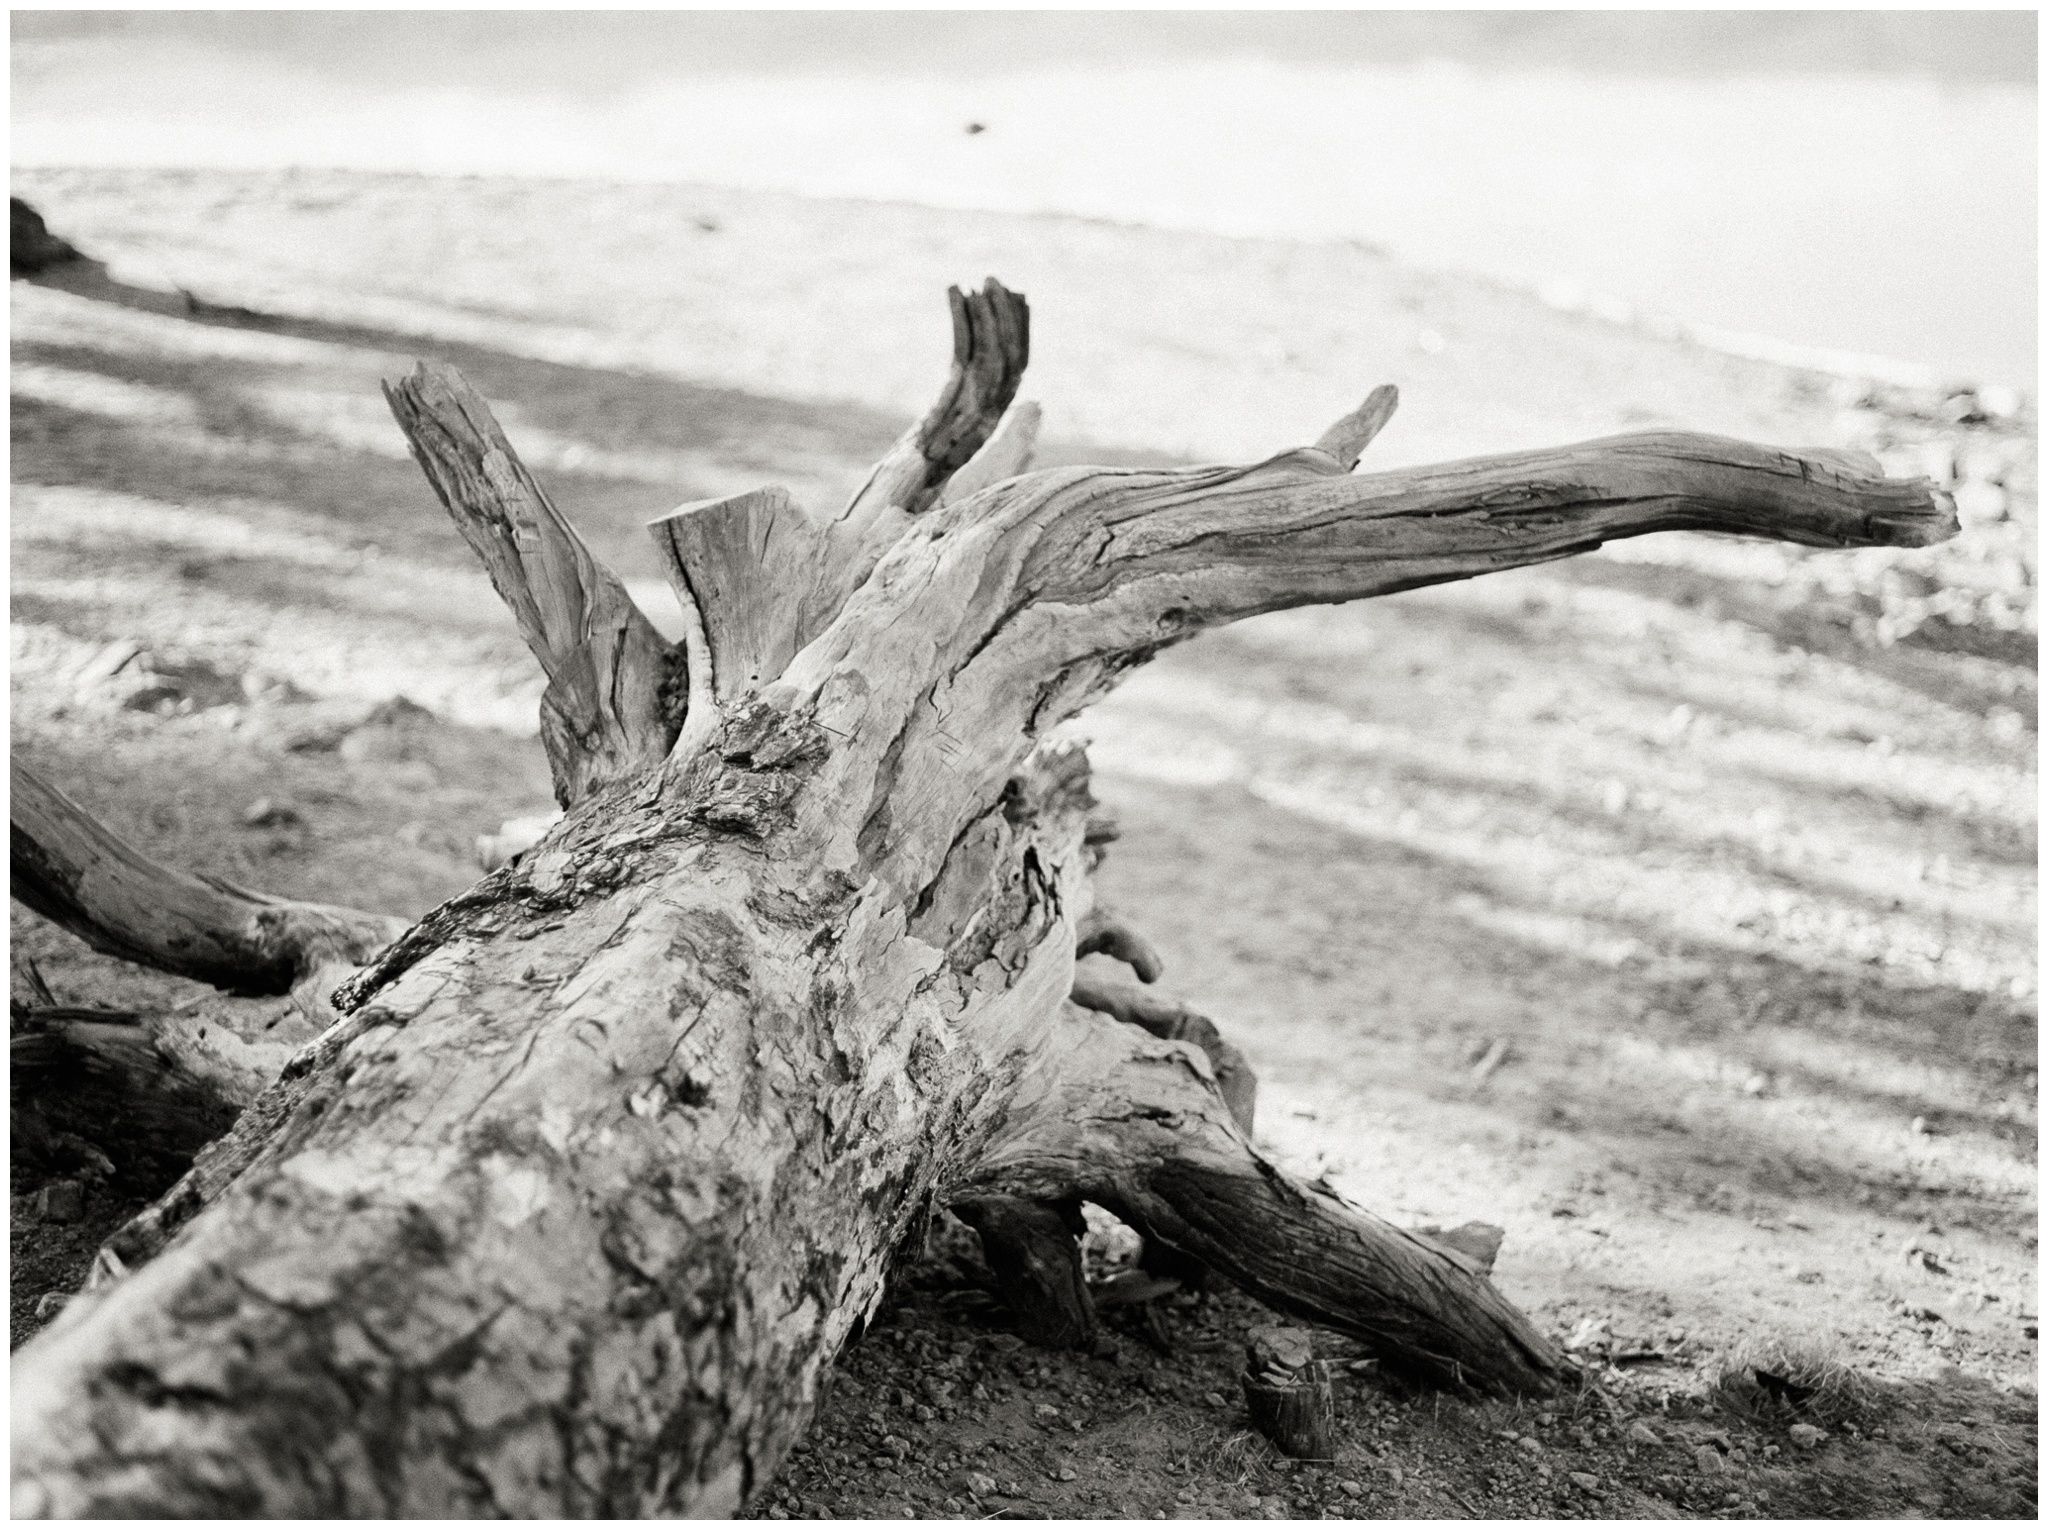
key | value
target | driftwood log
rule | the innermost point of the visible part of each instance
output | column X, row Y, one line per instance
column 603, row 1160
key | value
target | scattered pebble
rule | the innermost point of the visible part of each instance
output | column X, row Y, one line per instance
column 264, row 813
column 1585, row 1480
column 1350, row 1489
column 1806, row 1436
column 1642, row 1434
column 1709, row 1459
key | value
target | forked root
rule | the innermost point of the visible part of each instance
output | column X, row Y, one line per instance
column 1138, row 1126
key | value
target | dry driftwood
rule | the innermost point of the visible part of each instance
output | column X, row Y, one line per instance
column 71, row 869
column 613, row 702
column 607, row 1156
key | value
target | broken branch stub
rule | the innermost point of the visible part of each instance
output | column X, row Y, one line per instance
column 1347, row 440
column 614, row 700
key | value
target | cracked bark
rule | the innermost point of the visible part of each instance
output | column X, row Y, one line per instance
column 570, row 1212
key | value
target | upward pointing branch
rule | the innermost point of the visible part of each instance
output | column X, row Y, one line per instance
column 610, row 710
column 991, row 347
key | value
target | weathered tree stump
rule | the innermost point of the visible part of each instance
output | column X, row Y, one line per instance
column 1288, row 1395
column 570, row 1210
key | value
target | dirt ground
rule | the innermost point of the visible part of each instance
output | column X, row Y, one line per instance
column 1673, row 908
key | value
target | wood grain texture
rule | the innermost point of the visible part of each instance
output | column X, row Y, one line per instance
column 70, row 868
column 747, row 565
column 1006, row 454
column 615, row 697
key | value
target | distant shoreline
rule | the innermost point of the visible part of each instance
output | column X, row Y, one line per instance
column 1886, row 218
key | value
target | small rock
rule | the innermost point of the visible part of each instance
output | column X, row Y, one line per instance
column 109, row 661
column 377, row 744
column 1046, row 1413
column 1980, row 504
column 1350, row 1489
column 1640, row 1433
column 980, row 1485
column 51, row 1303
column 1585, row 1480
column 1065, row 1474
column 62, row 1200
column 1531, row 1444
column 1997, row 400
column 264, row 813
column 1214, row 1400
column 1921, row 1128
column 777, row 1511
column 1709, row 1460
column 1590, row 1333
column 1806, row 1436
column 398, row 712
column 319, row 737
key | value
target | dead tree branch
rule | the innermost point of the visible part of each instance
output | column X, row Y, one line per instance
column 614, row 701
column 78, row 874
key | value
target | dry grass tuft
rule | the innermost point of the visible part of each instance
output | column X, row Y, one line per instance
column 1771, row 1379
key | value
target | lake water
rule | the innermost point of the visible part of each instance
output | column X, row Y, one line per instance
column 1886, row 215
